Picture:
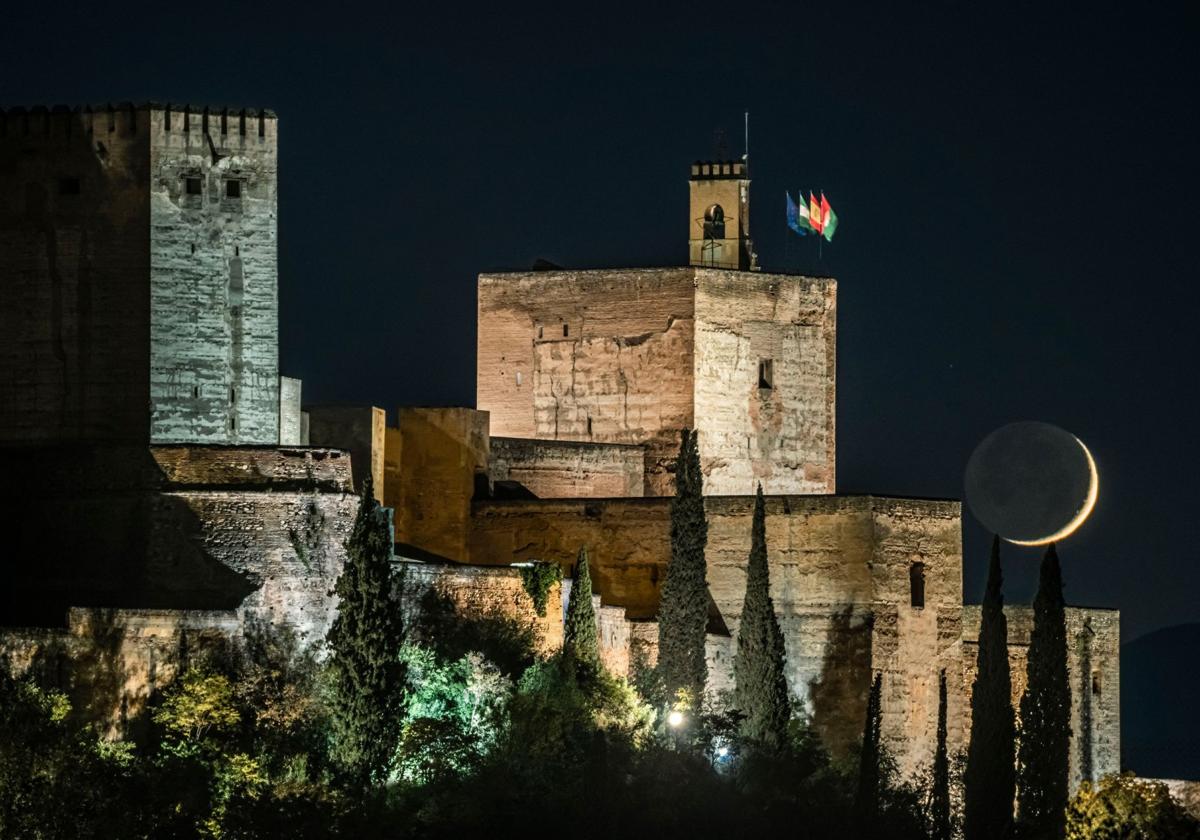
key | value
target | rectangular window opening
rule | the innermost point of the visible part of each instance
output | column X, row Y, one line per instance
column 232, row 395
column 766, row 374
column 566, row 331
column 193, row 186
column 68, row 186
column 233, row 189
column 1096, row 686
column 916, row 585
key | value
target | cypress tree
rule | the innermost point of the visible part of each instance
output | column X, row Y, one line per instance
column 989, row 779
column 1044, row 753
column 367, row 675
column 761, row 691
column 580, row 640
column 939, row 794
column 683, row 610
column 866, row 802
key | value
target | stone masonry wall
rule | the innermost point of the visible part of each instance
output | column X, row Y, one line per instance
column 214, row 301
column 74, row 266
column 111, row 662
column 1094, row 665
column 839, row 578
column 567, row 469
column 599, row 356
column 187, row 528
column 782, row 436
column 483, row 593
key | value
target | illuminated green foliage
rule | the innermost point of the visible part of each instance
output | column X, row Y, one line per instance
column 580, row 639
column 538, row 579
column 1123, row 806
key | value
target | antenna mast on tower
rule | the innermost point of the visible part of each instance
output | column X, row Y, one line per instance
column 746, row 152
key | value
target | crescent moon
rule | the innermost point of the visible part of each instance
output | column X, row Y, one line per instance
column 1085, row 510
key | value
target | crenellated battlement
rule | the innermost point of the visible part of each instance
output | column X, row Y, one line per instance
column 128, row 118
column 705, row 170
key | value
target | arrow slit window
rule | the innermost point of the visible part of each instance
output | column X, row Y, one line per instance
column 916, row 585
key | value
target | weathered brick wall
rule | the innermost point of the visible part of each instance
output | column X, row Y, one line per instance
column 261, row 530
column 360, row 430
column 839, row 579
column 483, row 592
column 782, row 436
column 111, row 662
column 443, row 452
column 621, row 373
column 214, row 303
column 74, row 267
column 568, row 469
column 1094, row 665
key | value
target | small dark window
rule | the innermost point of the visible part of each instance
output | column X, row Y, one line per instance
column 916, row 585
column 589, row 426
column 539, row 332
column 195, row 391
column 566, row 330
column 232, row 424
column 766, row 374
column 1096, row 682
column 232, row 395
column 68, row 186
column 194, row 187
column 193, row 247
column 233, row 189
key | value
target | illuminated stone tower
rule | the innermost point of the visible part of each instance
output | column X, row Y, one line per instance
column 138, row 259
column 719, row 221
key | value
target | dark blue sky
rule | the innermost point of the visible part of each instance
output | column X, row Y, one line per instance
column 1016, row 187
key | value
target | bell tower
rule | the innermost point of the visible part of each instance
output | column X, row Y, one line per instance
column 719, row 217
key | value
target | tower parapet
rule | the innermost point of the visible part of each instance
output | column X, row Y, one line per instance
column 719, row 220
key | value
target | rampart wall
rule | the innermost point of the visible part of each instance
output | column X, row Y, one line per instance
column 1094, row 665
column 840, row 576
column 568, row 469
column 189, row 528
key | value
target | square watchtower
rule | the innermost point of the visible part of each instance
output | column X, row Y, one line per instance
column 138, row 250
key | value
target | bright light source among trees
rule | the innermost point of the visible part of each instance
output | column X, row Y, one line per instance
column 675, row 718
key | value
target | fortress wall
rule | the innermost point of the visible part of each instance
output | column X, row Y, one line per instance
column 358, row 429
column 839, row 579
column 482, row 593
column 567, row 469
column 214, row 314
column 74, row 266
column 782, row 436
column 1094, row 666
column 621, row 373
column 912, row 644
column 184, row 528
column 110, row 662
column 443, row 453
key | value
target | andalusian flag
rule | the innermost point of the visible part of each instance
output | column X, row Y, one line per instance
column 797, row 217
column 828, row 219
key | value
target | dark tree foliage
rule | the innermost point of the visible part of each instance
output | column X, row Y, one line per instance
column 580, row 640
column 761, row 690
column 939, row 792
column 683, row 611
column 1044, row 752
column 870, row 768
column 990, row 776
column 366, row 674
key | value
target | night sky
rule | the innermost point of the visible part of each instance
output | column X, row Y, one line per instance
column 1017, row 194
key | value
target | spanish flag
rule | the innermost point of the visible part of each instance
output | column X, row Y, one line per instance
column 815, row 218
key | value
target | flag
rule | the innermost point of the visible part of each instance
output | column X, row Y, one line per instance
column 828, row 219
column 816, row 219
column 797, row 217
